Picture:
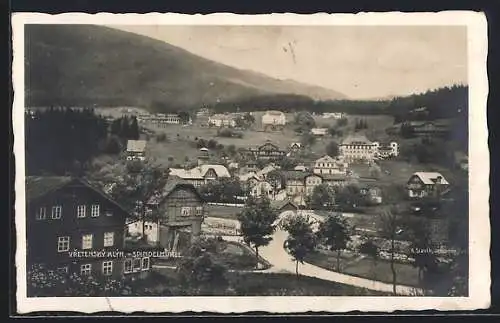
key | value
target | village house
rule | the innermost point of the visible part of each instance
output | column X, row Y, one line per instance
column 437, row 128
column 202, row 174
column 330, row 165
column 266, row 151
column 250, row 179
column 262, row 189
column 319, row 132
column 334, row 115
column 222, row 120
column 136, row 149
column 357, row 148
column 284, row 205
column 295, row 147
column 300, row 184
column 337, row 180
column 273, row 120
column 266, row 170
column 372, row 195
column 427, row 184
column 178, row 211
column 66, row 215
column 386, row 150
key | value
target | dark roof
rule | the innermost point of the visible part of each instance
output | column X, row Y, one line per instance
column 37, row 186
column 172, row 184
column 280, row 204
column 333, row 177
column 297, row 174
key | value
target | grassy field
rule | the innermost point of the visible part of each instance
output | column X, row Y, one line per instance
column 225, row 212
column 364, row 267
column 262, row 284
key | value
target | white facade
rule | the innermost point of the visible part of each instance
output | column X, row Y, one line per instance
column 151, row 230
column 319, row 131
column 388, row 150
column 221, row 120
column 262, row 189
column 358, row 148
column 274, row 118
column 329, row 165
column 334, row 115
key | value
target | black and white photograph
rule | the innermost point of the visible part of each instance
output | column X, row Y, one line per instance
column 238, row 160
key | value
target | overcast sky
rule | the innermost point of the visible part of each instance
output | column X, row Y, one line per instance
column 359, row 61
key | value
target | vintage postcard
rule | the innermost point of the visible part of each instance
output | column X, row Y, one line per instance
column 231, row 163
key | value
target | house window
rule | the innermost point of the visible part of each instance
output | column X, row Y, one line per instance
column 185, row 211
column 41, row 214
column 145, row 263
column 137, row 265
column 109, row 239
column 86, row 269
column 56, row 212
column 95, row 210
column 80, row 211
column 199, row 210
column 62, row 244
column 107, row 267
column 87, row 241
column 63, row 270
column 127, row 267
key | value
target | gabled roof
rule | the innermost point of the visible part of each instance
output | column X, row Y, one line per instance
column 278, row 205
column 39, row 186
column 334, row 177
column 220, row 170
column 297, row 174
column 274, row 113
column 429, row 178
column 172, row 185
column 136, row 146
column 249, row 175
column 295, row 144
column 266, row 170
column 326, row 159
column 356, row 140
column 186, row 173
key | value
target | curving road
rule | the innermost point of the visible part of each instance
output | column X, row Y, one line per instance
column 281, row 262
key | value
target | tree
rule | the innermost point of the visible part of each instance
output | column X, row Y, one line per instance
column 349, row 197
column 276, row 179
column 257, row 220
column 342, row 122
column 134, row 131
column 301, row 240
column 390, row 229
column 332, row 149
column 231, row 150
column 288, row 163
column 304, row 121
column 307, row 139
column 375, row 171
column 200, row 268
column 184, row 116
column 370, row 249
column 322, row 198
column 335, row 233
column 422, row 248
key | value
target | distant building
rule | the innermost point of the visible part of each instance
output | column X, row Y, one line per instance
column 300, row 184
column 427, row 184
column 337, row 180
column 438, row 128
column 136, row 149
column 372, row 195
column 262, row 189
column 273, row 120
column 222, row 120
column 295, row 147
column 334, row 115
column 319, row 131
column 357, row 148
column 202, row 174
column 330, row 165
column 284, row 205
column 267, row 151
column 386, row 150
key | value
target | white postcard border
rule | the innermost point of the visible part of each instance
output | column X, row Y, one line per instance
column 479, row 228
